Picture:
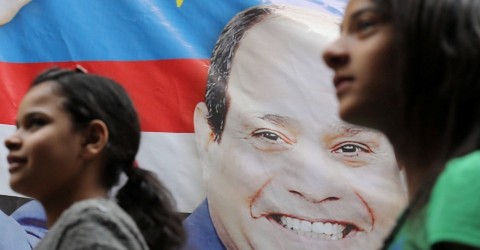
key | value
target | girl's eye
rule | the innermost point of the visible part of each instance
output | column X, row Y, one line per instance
column 34, row 123
column 364, row 25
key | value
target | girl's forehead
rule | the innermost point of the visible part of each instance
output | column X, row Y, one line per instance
column 43, row 94
column 49, row 87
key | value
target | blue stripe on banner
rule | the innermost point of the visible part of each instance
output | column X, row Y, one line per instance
column 127, row 30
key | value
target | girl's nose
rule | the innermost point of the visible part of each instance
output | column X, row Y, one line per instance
column 336, row 55
column 13, row 142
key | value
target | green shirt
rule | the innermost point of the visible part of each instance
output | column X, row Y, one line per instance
column 453, row 212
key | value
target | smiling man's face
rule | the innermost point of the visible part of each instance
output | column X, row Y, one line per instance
column 288, row 173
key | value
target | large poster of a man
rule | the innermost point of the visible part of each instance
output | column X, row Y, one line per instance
column 282, row 170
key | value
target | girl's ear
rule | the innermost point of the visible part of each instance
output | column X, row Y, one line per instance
column 96, row 137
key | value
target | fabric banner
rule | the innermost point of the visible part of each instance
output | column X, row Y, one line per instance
column 158, row 49
column 280, row 171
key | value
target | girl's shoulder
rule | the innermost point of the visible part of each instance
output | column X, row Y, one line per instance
column 95, row 223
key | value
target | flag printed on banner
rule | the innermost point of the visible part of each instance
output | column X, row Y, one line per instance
column 157, row 49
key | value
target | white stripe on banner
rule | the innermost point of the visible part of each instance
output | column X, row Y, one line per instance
column 172, row 156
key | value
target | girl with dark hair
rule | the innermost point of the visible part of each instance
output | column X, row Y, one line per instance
column 410, row 68
column 76, row 133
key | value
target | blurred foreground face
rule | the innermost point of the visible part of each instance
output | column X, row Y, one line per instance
column 364, row 61
column 288, row 173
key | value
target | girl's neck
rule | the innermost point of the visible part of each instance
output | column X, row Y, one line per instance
column 421, row 170
column 87, row 185
column 417, row 179
column 55, row 205
column 422, row 164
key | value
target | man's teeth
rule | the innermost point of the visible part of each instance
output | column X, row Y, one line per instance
column 315, row 229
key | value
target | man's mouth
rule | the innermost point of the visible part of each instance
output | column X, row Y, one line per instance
column 330, row 230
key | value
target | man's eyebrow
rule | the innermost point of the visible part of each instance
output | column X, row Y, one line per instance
column 278, row 120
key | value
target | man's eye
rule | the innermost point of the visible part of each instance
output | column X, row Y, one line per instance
column 267, row 135
column 269, row 140
column 350, row 149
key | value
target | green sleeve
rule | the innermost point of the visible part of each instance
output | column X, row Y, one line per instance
column 454, row 208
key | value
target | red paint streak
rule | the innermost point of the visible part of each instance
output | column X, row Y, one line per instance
column 165, row 92
column 256, row 196
column 370, row 211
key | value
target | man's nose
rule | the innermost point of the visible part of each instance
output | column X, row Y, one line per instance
column 317, row 177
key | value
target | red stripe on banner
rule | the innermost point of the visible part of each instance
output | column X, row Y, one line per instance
column 165, row 92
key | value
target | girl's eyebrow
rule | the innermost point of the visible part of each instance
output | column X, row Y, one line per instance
column 364, row 10
column 358, row 13
column 29, row 116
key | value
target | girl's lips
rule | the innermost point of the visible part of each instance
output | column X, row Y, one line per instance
column 15, row 162
column 342, row 83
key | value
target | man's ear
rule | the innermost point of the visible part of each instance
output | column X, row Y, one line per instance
column 203, row 133
column 96, row 137
column 203, row 136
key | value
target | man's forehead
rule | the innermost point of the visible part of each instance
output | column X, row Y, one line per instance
column 346, row 129
column 318, row 21
column 284, row 47
column 301, row 20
